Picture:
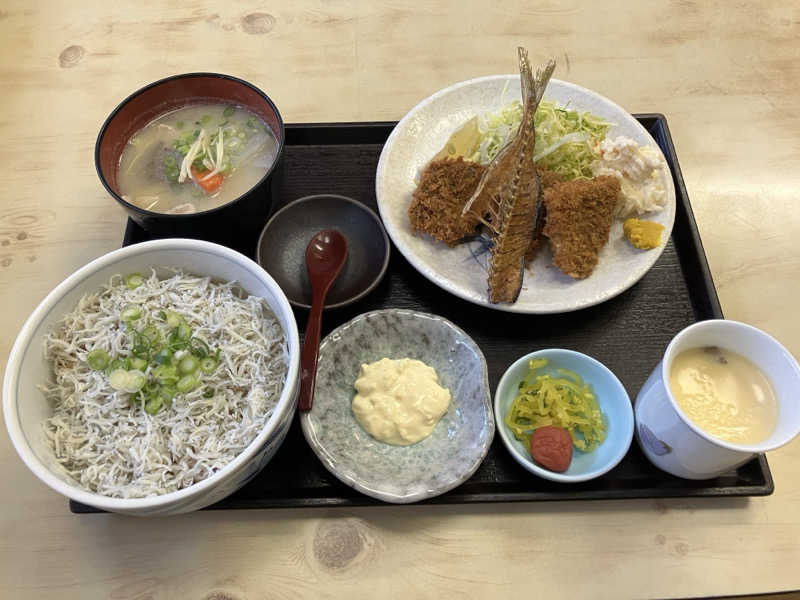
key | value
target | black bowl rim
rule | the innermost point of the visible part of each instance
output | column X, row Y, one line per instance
column 359, row 205
column 173, row 217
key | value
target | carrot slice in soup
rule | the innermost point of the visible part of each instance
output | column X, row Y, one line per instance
column 209, row 185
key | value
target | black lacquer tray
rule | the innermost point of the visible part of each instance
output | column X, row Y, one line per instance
column 628, row 334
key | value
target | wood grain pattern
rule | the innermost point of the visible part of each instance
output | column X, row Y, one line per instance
column 727, row 76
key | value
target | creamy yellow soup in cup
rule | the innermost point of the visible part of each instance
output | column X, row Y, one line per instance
column 686, row 412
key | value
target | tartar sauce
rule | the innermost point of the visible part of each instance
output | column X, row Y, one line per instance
column 399, row 401
column 639, row 169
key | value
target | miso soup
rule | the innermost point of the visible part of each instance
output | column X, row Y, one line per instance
column 195, row 158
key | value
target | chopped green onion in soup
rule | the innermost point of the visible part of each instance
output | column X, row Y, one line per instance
column 167, row 168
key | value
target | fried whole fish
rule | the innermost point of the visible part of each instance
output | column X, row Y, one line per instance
column 508, row 198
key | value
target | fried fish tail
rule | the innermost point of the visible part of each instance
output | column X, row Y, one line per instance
column 510, row 193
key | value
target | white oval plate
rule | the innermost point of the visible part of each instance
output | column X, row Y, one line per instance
column 423, row 132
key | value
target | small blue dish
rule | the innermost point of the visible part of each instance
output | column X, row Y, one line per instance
column 613, row 400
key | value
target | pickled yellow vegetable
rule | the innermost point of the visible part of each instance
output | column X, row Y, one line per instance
column 564, row 401
column 644, row 235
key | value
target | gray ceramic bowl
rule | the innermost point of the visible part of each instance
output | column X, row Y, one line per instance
column 401, row 474
column 281, row 248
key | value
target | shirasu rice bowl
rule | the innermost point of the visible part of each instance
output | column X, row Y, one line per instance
column 145, row 434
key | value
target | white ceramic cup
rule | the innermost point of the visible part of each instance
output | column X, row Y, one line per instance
column 675, row 444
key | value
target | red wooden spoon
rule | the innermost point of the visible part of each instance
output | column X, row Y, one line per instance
column 325, row 256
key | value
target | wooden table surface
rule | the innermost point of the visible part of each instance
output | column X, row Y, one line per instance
column 726, row 75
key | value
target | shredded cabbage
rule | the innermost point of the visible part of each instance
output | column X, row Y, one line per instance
column 563, row 401
column 565, row 139
column 496, row 130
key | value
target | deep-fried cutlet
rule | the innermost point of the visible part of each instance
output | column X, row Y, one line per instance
column 547, row 179
column 444, row 187
column 579, row 215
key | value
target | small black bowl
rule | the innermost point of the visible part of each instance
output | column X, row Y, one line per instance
column 281, row 248
column 244, row 214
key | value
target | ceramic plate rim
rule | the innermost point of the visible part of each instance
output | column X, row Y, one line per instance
column 390, row 497
column 428, row 272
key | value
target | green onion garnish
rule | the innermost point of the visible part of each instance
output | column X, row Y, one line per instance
column 97, row 359
column 186, row 383
column 184, row 331
column 163, row 356
column 166, row 374
column 188, row 365
column 126, row 381
column 153, row 405
column 118, row 378
column 133, row 281
column 130, row 313
column 199, row 348
column 175, row 365
column 120, row 363
column 150, row 335
column 173, row 318
column 208, row 365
